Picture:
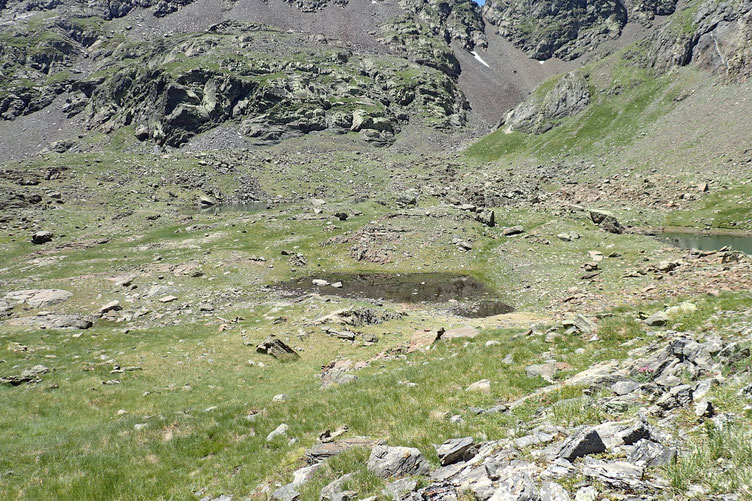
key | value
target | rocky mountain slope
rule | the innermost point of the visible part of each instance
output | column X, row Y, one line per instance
column 269, row 250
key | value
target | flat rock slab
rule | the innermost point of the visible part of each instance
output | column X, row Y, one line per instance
column 615, row 474
column 27, row 376
column 52, row 322
column 39, row 298
column 387, row 462
column 322, row 452
column 456, row 450
column 423, row 338
column 461, row 332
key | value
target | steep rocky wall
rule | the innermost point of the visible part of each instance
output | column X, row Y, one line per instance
column 715, row 36
column 567, row 28
column 459, row 20
column 556, row 28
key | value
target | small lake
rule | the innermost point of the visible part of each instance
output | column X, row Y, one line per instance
column 463, row 294
column 707, row 242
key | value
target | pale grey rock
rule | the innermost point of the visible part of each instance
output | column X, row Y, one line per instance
column 279, row 431
column 397, row 488
column 551, row 491
column 455, row 450
column 387, row 462
column 516, row 488
column 615, row 474
column 648, row 453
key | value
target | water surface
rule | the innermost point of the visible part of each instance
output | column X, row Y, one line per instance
column 463, row 294
column 707, row 241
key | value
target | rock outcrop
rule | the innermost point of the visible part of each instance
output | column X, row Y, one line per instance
column 288, row 85
column 556, row 28
column 541, row 112
column 716, row 37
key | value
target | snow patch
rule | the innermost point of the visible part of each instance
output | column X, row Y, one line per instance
column 476, row 56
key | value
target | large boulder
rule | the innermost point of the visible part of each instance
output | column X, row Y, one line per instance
column 41, row 237
column 39, row 298
column 606, row 221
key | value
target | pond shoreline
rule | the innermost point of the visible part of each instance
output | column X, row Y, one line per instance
column 686, row 230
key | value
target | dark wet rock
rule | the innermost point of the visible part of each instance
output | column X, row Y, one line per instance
column 585, row 442
column 456, row 450
column 278, row 349
column 387, row 462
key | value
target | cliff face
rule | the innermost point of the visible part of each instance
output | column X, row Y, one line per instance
column 715, row 36
column 400, row 63
column 556, row 28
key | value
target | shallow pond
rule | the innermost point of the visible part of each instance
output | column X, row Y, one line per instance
column 463, row 294
column 707, row 242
